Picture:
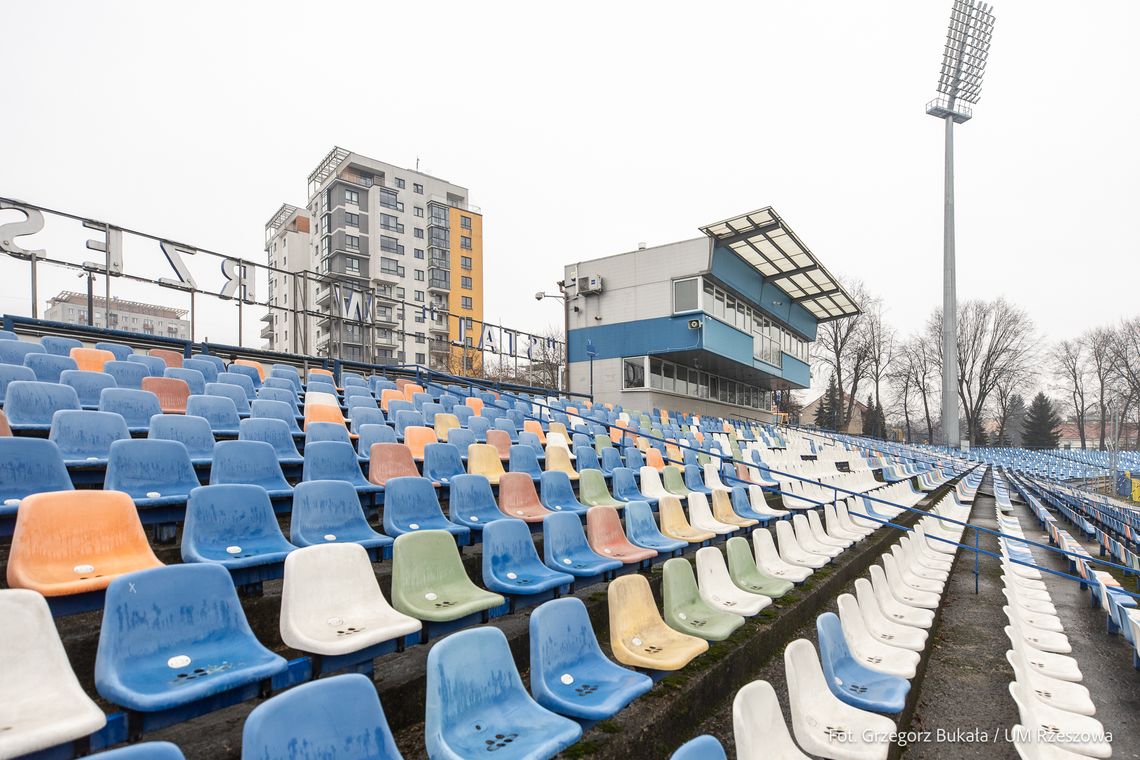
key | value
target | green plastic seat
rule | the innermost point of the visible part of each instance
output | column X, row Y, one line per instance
column 602, row 441
column 685, row 611
column 744, row 573
column 429, row 582
column 674, row 481
column 592, row 490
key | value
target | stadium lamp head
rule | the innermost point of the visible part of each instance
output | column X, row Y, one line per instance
column 963, row 60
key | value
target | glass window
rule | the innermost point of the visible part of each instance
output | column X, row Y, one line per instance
column 352, row 220
column 419, row 253
column 419, row 211
column 351, row 196
column 387, row 198
column 633, row 372
column 352, row 266
column 419, row 233
column 668, row 377
column 465, row 302
column 400, row 183
column 685, row 295
column 465, row 222
column 656, row 373
column 703, row 382
column 719, row 305
column 465, row 283
column 417, row 188
column 465, row 262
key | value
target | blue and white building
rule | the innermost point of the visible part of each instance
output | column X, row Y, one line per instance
column 716, row 324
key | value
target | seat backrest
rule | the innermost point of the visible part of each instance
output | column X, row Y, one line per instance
column 275, row 410
column 253, row 462
column 271, row 393
column 315, row 413
column 416, row 438
column 11, row 372
column 191, row 431
column 706, row 747
column 604, row 529
column 14, row 351
column 366, row 415
column 479, row 426
column 563, row 536
column 208, row 370
column 154, row 365
column 679, row 583
column 224, row 515
column 239, row 379
column 272, row 431
column 172, row 393
column 219, row 411
column 142, row 467
column 194, row 379
column 370, row 433
column 248, row 364
column 171, row 358
column 332, row 460
column 27, row 466
column 407, row 418
column 423, row 561
column 30, row 402
column 409, row 498
column 47, row 367
column 126, row 374
column 501, row 441
column 119, row 350
column 462, row 438
column 324, row 507
column 86, row 435
column 326, row 431
column 388, row 395
column 390, row 460
column 483, row 459
column 88, row 385
column 59, row 346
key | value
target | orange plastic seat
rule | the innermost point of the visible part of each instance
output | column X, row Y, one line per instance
column 517, row 497
column 389, row 394
column 616, row 434
column 607, row 537
column 699, row 436
column 251, row 363
column 325, row 413
column 326, row 373
column 416, row 437
column 172, row 358
column 653, row 459
column 558, row 459
column 91, row 359
column 390, row 460
column 172, row 393
column 400, row 383
column 74, row 542
column 673, row 451
column 410, row 390
column 571, row 411
column 5, row 428
column 483, row 459
column 501, row 440
column 476, row 404
column 533, row 426
column 643, row 444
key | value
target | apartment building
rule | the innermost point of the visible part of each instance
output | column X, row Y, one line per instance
column 131, row 316
column 380, row 267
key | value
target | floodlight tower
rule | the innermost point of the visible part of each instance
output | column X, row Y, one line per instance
column 963, row 63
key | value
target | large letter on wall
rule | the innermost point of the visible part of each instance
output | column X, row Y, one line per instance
column 9, row 232
column 238, row 273
column 111, row 244
column 173, row 253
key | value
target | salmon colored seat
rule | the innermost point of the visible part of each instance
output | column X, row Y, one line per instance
column 400, row 383
column 607, row 537
column 172, row 393
column 91, row 359
column 558, row 460
column 476, row 404
column 416, row 437
column 444, row 423
column 639, row 636
column 58, row 553
column 410, row 390
column 5, row 428
column 172, row 358
column 325, row 413
column 390, row 460
column 653, row 459
column 483, row 459
column 517, row 497
column 501, row 440
column 388, row 395
column 251, row 363
column 533, row 426
column 675, row 524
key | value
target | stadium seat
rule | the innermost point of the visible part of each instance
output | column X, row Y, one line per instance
column 91, row 359
column 192, row 432
column 518, row 499
column 154, row 365
column 219, row 411
column 147, row 664
column 607, row 538
column 558, row 460
column 172, row 393
column 126, row 374
column 1081, row 735
column 723, row 512
column 119, row 350
column 10, row 372
column 335, row 460
column 359, row 416
column 59, row 346
column 746, row 574
column 771, row 564
column 250, row 462
column 461, row 438
column 684, row 609
column 28, row 466
column 207, row 369
column 337, row 717
column 483, row 459
column 416, row 437
column 136, row 406
column 328, row 511
column 897, row 609
column 275, row 432
column 511, row 565
column 523, row 459
column 195, row 380
column 30, row 404
column 557, row 493
column 47, row 367
column 246, row 365
column 155, row 473
column 84, row 438
column 410, row 505
column 430, row 583
column 476, row 702
column 719, row 590
column 233, row 525
column 471, row 502
column 8, row 335
column 15, row 351
column 585, row 458
column 674, row 523
column 1063, row 695
column 442, row 463
column 673, row 479
column 642, row 530
column 444, row 424
column 267, row 409
column 625, row 487
column 59, row 555
column 701, row 517
column 240, row 379
column 593, row 492
column 5, row 429
column 565, row 548
column 390, row 460
column 819, row 717
column 170, row 358
column 638, row 636
column 43, row 704
column 145, row 751
column 705, row 747
column 851, row 681
column 234, row 393
column 792, row 553
column 758, row 725
column 87, row 385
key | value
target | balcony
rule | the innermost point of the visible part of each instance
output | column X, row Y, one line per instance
column 386, row 340
column 386, row 317
column 386, row 276
column 266, row 332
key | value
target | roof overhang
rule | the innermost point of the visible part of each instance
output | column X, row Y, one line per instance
column 764, row 241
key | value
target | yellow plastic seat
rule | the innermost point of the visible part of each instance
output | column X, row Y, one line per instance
column 722, row 510
column 444, row 423
column 533, row 426
column 416, row 437
column 390, row 394
column 558, row 460
column 251, row 363
column 638, row 636
column 673, row 452
column 483, row 459
column 675, row 524
column 91, row 359
column 558, row 427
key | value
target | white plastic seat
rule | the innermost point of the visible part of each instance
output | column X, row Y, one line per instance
column 1038, row 620
column 1027, row 593
column 331, row 603
column 807, row 540
column 758, row 725
column 843, row 512
column 931, row 534
column 869, row 650
column 712, row 477
column 1070, row 731
column 701, row 516
column 792, row 553
column 760, row 505
column 651, row 484
column 1030, row 601
column 918, row 553
column 905, row 576
column 558, row 441
column 882, row 627
column 1059, row 666
column 717, row 589
column 824, row 725
column 937, row 578
column 823, row 536
column 1064, row 695
column 899, row 589
column 768, row 560
column 835, row 526
column 1048, row 641
column 41, row 701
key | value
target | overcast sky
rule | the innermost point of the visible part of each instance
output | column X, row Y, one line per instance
column 584, row 128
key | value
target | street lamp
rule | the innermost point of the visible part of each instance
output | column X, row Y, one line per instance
column 565, row 331
column 963, row 63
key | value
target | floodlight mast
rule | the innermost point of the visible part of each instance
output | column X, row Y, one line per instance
column 963, row 63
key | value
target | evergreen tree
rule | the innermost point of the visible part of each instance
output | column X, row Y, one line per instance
column 880, row 421
column 870, row 424
column 1042, row 429
column 1016, row 421
column 825, row 417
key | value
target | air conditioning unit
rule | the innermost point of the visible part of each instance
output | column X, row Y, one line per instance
column 590, row 284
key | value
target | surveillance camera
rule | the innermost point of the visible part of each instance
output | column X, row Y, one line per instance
column 538, row 296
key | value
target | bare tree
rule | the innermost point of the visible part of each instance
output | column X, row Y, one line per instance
column 902, row 380
column 880, row 341
column 1070, row 360
column 1099, row 344
column 841, row 345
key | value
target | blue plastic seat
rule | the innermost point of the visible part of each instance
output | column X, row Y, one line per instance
column 476, row 703
column 849, row 680
column 625, row 487
column 88, row 385
column 250, row 372
column 278, row 383
column 463, row 413
column 471, row 502
column 419, row 399
column 508, row 425
column 8, row 335
column 569, row 674
column 442, row 462
column 274, row 432
column 153, row 472
column 403, row 419
column 705, row 747
column 694, row 481
column 321, row 385
column 85, row 437
column 126, row 374
column 234, row 393
column 144, row 751
column 369, row 434
column 48, row 367
column 15, row 351
column 429, row 411
column 461, row 438
column 328, row 511
column 511, row 565
column 242, row 381
column 357, row 395
column 352, row 380
column 338, row 717
column 326, row 431
column 208, row 369
column 59, row 346
column 219, row 411
column 194, row 379
column 336, row 460
column 174, row 635
column 276, row 410
column 28, row 466
column 192, row 432
column 136, row 406
column 522, row 459
column 527, row 438
column 155, row 365
column 742, row 505
column 11, row 372
column 557, row 493
column 233, row 525
column 120, row 350
column 610, row 459
column 366, row 415
column 479, row 426
column 30, row 404
column 585, row 458
column 217, row 361
column 290, row 374
column 249, row 462
column 411, row 504
column 565, row 548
